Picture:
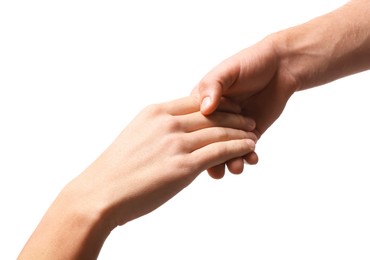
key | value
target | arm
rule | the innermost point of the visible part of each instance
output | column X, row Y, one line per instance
column 327, row 48
column 157, row 155
column 262, row 78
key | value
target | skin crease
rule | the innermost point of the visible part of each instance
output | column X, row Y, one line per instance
column 164, row 148
column 147, row 165
column 261, row 79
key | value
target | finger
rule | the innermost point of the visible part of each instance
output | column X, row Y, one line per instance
column 196, row 121
column 189, row 105
column 181, row 106
column 251, row 158
column 210, row 89
column 220, row 152
column 235, row 165
column 198, row 139
column 217, row 172
column 209, row 95
column 226, row 105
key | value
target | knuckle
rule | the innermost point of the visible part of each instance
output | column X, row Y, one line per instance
column 222, row 134
column 154, row 109
column 165, row 121
column 185, row 164
column 206, row 85
column 245, row 122
column 221, row 151
column 171, row 124
column 175, row 144
column 251, row 135
column 203, row 84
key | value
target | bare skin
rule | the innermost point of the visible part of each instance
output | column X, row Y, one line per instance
column 262, row 78
column 157, row 155
column 168, row 145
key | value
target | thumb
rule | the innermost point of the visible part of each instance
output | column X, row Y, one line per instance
column 215, row 84
column 208, row 95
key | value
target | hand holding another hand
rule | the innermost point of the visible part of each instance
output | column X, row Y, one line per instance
column 163, row 149
column 256, row 80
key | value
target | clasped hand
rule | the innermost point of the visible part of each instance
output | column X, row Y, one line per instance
column 162, row 151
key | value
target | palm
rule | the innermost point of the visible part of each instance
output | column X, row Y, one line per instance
column 265, row 102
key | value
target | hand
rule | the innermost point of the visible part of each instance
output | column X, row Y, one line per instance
column 162, row 151
column 157, row 155
column 257, row 80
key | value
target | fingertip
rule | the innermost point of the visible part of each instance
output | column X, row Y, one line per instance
column 251, row 158
column 205, row 107
column 210, row 95
column 253, row 126
column 236, row 165
column 208, row 105
column 217, row 172
column 251, row 144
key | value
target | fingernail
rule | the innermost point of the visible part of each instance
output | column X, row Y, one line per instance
column 205, row 104
column 251, row 143
column 251, row 124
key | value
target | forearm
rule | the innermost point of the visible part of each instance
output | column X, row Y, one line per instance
column 327, row 48
column 156, row 156
column 70, row 229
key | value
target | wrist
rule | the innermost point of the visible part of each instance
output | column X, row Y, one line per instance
column 301, row 55
column 326, row 48
column 72, row 228
column 83, row 222
column 89, row 199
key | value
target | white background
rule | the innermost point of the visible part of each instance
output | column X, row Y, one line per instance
column 74, row 73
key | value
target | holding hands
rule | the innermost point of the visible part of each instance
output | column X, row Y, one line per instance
column 261, row 79
column 257, row 82
column 157, row 155
column 168, row 145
